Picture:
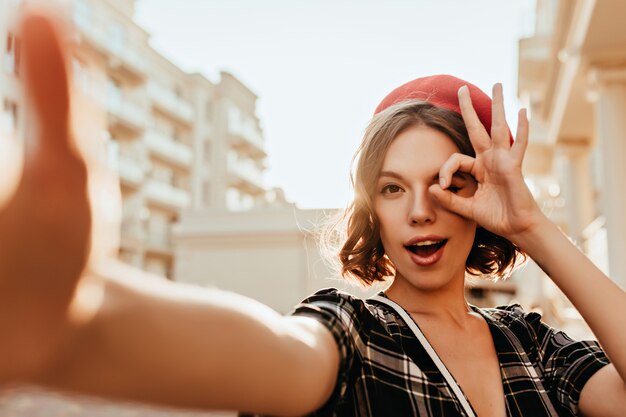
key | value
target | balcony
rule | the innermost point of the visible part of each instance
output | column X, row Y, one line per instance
column 166, row 195
column 125, row 116
column 168, row 149
column 246, row 137
column 132, row 234
column 169, row 103
column 128, row 168
column 159, row 244
column 124, row 58
column 536, row 55
column 9, row 64
column 130, row 171
column 245, row 176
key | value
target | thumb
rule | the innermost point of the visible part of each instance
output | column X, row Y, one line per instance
column 46, row 78
column 451, row 201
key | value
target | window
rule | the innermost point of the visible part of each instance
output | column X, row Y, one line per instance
column 9, row 115
column 80, row 75
column 162, row 174
column 114, row 94
column 157, row 266
column 181, row 182
column 232, row 199
column 12, row 54
column 247, row 202
column 207, row 194
column 128, row 256
column 159, row 228
column 207, row 151
column 117, row 37
column 235, row 119
column 113, row 154
column 208, row 110
column 238, row 201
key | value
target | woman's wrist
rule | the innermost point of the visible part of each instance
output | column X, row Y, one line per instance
column 532, row 238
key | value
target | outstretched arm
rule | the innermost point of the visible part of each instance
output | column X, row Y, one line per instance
column 504, row 205
column 600, row 301
column 162, row 342
column 123, row 333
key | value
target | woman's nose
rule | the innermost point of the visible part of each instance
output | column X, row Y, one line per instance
column 422, row 208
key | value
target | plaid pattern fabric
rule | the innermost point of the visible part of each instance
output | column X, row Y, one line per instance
column 385, row 371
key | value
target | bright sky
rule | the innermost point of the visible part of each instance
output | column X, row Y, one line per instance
column 321, row 67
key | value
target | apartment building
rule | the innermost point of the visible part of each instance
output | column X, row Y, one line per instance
column 174, row 140
column 11, row 110
column 572, row 74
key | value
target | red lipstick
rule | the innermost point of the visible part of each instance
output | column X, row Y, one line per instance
column 426, row 250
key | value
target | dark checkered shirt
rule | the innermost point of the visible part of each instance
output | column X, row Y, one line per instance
column 385, row 372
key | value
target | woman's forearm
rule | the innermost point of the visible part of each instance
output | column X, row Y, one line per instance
column 161, row 342
column 600, row 301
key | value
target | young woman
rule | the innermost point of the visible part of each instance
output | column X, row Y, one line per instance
column 439, row 193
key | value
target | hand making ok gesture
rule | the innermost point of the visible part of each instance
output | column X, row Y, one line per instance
column 502, row 202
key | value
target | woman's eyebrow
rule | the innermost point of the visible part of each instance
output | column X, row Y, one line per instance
column 390, row 174
column 460, row 175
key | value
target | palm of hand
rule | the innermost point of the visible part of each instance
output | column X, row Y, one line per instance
column 46, row 223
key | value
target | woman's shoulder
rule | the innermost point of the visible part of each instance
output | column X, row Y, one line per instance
column 332, row 294
column 507, row 311
column 351, row 310
column 513, row 315
column 333, row 299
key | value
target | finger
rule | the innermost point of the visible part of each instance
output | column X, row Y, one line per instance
column 46, row 80
column 521, row 137
column 456, row 162
column 499, row 128
column 451, row 201
column 477, row 133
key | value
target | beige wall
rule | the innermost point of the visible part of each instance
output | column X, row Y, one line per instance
column 269, row 254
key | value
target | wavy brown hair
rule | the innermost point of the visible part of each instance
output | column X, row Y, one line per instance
column 362, row 255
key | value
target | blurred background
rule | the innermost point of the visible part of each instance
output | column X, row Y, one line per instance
column 226, row 130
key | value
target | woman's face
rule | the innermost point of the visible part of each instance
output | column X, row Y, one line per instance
column 427, row 244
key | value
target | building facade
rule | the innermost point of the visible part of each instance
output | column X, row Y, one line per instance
column 572, row 75
column 271, row 254
column 174, row 140
column 162, row 139
column 189, row 156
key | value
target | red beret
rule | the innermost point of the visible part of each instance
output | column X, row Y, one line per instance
column 441, row 91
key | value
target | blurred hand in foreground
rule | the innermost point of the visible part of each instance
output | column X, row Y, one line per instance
column 45, row 223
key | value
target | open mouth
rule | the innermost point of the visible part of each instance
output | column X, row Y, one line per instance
column 426, row 248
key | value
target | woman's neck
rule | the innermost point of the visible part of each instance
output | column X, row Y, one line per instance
column 445, row 304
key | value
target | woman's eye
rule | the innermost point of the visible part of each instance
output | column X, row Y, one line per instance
column 454, row 189
column 391, row 189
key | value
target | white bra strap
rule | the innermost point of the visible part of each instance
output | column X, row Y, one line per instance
column 431, row 352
